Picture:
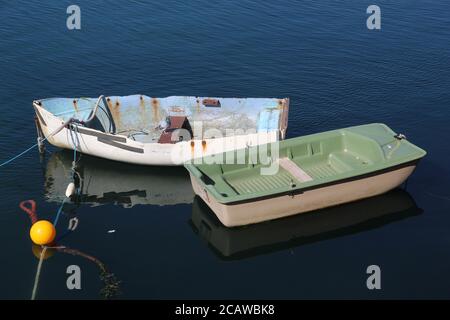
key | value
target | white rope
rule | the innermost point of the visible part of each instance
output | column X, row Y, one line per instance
column 38, row 273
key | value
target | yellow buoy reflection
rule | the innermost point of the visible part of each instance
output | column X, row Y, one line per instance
column 37, row 251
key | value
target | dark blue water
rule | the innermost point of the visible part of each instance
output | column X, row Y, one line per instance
column 320, row 54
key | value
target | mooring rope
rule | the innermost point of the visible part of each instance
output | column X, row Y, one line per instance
column 65, row 124
column 31, row 210
column 55, row 222
column 36, row 144
column 38, row 273
column 76, row 144
column 19, row 155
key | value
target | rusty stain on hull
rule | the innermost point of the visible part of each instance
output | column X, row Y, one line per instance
column 211, row 103
column 75, row 106
column 137, row 117
column 155, row 109
column 108, row 101
column 115, row 110
column 203, row 146
column 192, row 148
column 142, row 108
column 197, row 104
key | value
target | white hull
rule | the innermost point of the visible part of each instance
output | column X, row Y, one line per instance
column 120, row 148
column 287, row 205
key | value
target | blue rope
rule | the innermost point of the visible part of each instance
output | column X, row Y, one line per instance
column 55, row 222
column 74, row 160
column 35, row 145
column 74, row 146
column 19, row 155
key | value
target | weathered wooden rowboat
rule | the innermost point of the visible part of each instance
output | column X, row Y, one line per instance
column 302, row 229
column 314, row 172
column 160, row 131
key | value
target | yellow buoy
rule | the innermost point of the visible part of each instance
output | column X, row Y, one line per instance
column 42, row 232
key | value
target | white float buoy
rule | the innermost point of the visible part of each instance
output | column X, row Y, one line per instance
column 70, row 191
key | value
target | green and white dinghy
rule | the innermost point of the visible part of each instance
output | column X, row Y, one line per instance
column 313, row 172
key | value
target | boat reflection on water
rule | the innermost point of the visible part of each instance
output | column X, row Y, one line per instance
column 261, row 238
column 105, row 181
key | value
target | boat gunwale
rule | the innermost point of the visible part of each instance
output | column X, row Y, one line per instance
column 299, row 191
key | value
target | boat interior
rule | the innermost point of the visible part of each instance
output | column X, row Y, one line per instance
column 154, row 120
column 306, row 159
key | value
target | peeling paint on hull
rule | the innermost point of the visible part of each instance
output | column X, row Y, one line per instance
column 127, row 128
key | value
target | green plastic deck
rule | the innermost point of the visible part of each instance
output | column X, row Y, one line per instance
column 326, row 157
